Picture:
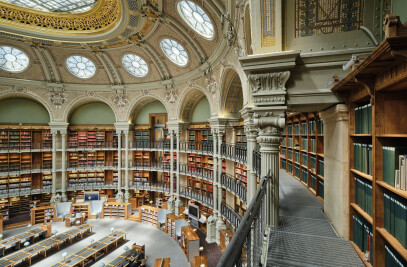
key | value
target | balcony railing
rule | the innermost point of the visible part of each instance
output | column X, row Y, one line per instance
column 256, row 165
column 159, row 187
column 16, row 192
column 148, row 145
column 233, row 152
column 151, row 165
column 200, row 172
column 234, row 186
column 206, row 199
column 196, row 147
column 249, row 234
column 90, row 145
column 231, row 215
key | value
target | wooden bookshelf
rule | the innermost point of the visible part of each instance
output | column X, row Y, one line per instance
column 225, row 238
column 302, row 150
column 384, row 87
column 170, row 225
column 91, row 138
column 44, row 214
column 115, row 210
column 82, row 208
column 189, row 242
column 149, row 215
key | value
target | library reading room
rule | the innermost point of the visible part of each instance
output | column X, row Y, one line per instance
column 203, row 133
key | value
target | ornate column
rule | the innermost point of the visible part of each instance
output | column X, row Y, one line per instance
column 220, row 224
column 119, row 195
column 251, row 136
column 63, row 165
column 178, row 202
column 126, row 166
column 269, row 97
column 171, row 200
column 54, row 197
column 211, row 221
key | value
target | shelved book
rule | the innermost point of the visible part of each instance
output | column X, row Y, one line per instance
column 363, row 195
column 361, row 230
column 304, row 128
column 321, row 188
column 394, row 166
column 362, row 157
column 395, row 217
column 314, row 182
column 304, row 175
column 311, row 127
column 392, row 258
column 363, row 119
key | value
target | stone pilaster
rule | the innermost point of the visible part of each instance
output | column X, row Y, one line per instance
column 269, row 97
column 336, row 162
column 171, row 200
column 54, row 197
column 220, row 224
column 215, row 173
column 251, row 136
column 178, row 202
column 63, row 165
column 126, row 166
column 119, row 195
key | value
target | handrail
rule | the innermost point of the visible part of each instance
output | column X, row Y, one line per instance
column 253, row 218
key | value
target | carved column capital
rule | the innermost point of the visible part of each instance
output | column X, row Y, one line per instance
column 269, row 88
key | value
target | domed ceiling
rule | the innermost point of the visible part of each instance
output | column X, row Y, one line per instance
column 112, row 41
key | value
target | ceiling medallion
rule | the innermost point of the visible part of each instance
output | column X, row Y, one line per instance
column 171, row 95
column 120, row 100
column 57, row 96
column 211, row 84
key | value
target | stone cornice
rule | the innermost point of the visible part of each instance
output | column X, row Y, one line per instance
column 269, row 62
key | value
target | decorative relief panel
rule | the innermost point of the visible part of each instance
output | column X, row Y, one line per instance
column 316, row 17
column 268, row 23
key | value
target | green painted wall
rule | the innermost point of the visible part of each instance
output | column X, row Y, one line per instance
column 202, row 111
column 142, row 117
column 400, row 9
column 22, row 110
column 93, row 113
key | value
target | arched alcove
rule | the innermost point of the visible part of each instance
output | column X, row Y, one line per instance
column 232, row 95
column 23, row 110
column 195, row 107
column 92, row 113
column 142, row 113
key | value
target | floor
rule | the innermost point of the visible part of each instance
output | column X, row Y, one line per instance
column 211, row 251
column 305, row 237
column 158, row 244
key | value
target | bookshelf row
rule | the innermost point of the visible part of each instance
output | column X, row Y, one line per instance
column 80, row 159
column 377, row 141
column 96, row 138
column 302, row 150
column 25, row 139
column 10, row 162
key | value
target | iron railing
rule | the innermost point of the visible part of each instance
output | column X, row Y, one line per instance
column 256, row 165
column 233, row 152
column 199, row 172
column 249, row 234
column 196, row 147
column 203, row 198
column 230, row 215
column 234, row 186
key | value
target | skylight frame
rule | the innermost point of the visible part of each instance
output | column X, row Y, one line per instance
column 206, row 28
column 169, row 46
column 88, row 72
column 21, row 62
column 128, row 64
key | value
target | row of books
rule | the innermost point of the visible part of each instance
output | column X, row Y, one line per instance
column 284, row 164
column 314, row 182
column 304, row 159
column 362, row 158
column 361, row 231
column 394, row 166
column 363, row 195
column 304, row 128
column 290, row 167
column 395, row 217
column 297, row 171
column 304, row 175
column 320, row 126
column 297, row 156
column 321, row 188
column 297, row 128
column 363, row 119
column 304, row 144
column 290, row 129
column 313, row 163
column 392, row 258
column 313, row 147
column 321, row 167
column 311, row 127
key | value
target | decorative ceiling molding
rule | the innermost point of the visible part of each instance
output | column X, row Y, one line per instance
column 162, row 68
column 106, row 66
column 44, row 65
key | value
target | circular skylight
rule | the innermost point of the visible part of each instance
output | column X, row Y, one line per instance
column 13, row 59
column 174, row 51
column 81, row 67
column 196, row 18
column 73, row 6
column 135, row 65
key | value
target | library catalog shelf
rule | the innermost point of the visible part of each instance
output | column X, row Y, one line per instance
column 399, row 192
column 362, row 174
column 362, row 212
column 393, row 242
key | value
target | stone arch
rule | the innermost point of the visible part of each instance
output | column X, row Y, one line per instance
column 137, row 104
column 231, row 101
column 81, row 100
column 190, row 98
column 29, row 95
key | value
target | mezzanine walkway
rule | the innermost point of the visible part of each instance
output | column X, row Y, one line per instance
column 305, row 237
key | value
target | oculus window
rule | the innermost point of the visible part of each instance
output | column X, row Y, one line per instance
column 196, row 18
column 13, row 59
column 80, row 66
column 72, row 6
column 135, row 65
column 174, row 51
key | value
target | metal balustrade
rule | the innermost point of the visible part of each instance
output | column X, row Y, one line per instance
column 149, row 145
column 17, row 192
column 206, row 148
column 90, row 146
column 200, row 172
column 233, row 152
column 234, row 186
column 151, row 165
column 231, row 215
column 256, row 164
column 250, row 231
column 206, row 199
column 159, row 187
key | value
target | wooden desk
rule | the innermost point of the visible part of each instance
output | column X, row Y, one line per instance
column 71, row 221
column 162, row 262
column 199, row 260
column 189, row 242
